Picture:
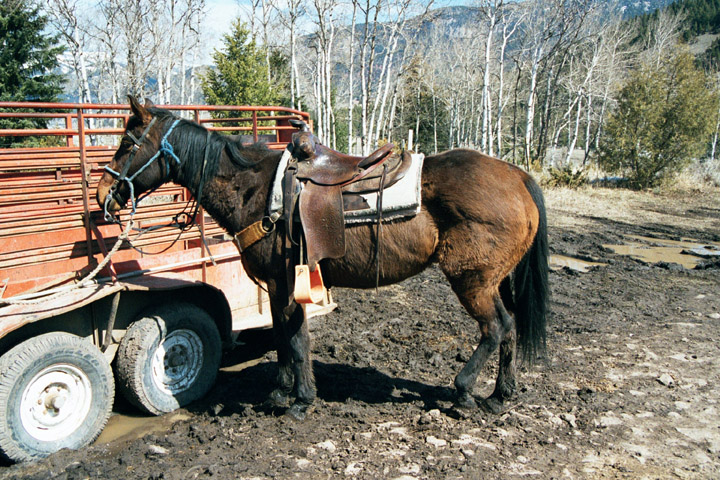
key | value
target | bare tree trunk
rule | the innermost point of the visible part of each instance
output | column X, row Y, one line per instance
column 576, row 130
column 253, row 28
column 588, row 123
column 530, row 117
column 435, row 114
column 325, row 36
column 393, row 108
column 351, row 78
column 507, row 34
column 381, row 95
column 491, row 13
column 367, row 62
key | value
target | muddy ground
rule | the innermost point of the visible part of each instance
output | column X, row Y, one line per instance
column 629, row 388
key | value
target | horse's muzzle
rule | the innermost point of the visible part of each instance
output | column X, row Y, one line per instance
column 102, row 193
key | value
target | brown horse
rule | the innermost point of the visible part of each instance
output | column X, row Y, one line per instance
column 482, row 220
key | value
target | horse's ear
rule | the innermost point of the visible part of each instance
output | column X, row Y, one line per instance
column 138, row 110
column 149, row 103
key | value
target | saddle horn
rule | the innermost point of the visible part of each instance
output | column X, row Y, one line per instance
column 299, row 124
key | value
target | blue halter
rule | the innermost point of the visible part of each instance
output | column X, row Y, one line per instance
column 165, row 150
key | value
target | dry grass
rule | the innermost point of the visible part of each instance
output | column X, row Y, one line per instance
column 678, row 207
column 699, row 176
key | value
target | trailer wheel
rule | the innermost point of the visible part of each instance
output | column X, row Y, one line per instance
column 56, row 391
column 168, row 358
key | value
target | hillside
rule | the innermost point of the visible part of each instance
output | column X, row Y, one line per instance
column 701, row 27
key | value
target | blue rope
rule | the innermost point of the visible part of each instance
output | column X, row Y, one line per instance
column 166, row 150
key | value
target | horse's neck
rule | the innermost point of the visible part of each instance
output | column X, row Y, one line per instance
column 237, row 196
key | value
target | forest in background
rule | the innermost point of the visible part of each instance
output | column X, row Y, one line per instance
column 563, row 84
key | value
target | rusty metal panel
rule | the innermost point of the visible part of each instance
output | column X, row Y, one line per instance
column 17, row 315
column 46, row 203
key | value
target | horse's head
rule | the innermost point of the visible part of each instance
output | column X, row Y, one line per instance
column 139, row 164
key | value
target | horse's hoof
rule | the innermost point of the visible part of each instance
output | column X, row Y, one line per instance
column 466, row 401
column 278, row 398
column 493, row 405
column 297, row 412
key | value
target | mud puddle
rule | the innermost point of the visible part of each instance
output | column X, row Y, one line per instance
column 123, row 427
column 558, row 262
column 686, row 252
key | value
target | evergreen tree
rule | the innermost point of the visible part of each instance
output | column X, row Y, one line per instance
column 27, row 56
column 280, row 76
column 27, row 60
column 240, row 76
column 663, row 119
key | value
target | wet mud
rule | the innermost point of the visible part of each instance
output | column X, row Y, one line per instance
column 629, row 387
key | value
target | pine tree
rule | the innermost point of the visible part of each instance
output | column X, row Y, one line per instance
column 663, row 119
column 28, row 57
column 240, row 76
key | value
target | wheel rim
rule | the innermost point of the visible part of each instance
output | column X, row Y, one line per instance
column 177, row 362
column 56, row 402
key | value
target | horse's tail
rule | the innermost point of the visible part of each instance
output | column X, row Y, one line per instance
column 532, row 290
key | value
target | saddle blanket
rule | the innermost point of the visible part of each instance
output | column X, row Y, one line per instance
column 399, row 200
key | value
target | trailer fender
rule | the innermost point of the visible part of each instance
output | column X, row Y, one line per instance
column 159, row 288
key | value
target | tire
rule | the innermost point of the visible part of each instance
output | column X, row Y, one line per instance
column 168, row 358
column 56, row 391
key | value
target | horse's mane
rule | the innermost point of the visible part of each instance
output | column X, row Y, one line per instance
column 190, row 140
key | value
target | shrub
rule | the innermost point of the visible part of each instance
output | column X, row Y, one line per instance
column 566, row 176
column 663, row 120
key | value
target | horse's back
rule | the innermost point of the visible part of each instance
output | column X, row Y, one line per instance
column 477, row 213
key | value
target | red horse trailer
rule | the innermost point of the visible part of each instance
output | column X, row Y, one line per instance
column 161, row 308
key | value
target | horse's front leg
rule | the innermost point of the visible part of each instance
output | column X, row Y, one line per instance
column 280, row 397
column 299, row 342
column 292, row 339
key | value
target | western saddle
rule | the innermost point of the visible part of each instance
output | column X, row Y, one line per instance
column 323, row 183
column 328, row 177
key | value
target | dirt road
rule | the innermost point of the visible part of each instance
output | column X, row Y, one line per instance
column 629, row 389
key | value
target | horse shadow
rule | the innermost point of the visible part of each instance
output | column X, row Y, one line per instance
column 248, row 389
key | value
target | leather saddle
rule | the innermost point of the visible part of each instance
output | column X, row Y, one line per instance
column 328, row 178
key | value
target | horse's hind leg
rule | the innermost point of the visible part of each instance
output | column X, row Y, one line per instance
column 505, row 385
column 483, row 303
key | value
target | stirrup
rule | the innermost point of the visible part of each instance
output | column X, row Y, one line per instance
column 309, row 286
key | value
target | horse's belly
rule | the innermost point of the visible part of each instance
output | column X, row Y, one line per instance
column 407, row 247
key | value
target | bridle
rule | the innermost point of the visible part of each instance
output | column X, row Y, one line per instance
column 165, row 150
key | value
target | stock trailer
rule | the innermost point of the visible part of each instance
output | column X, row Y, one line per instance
column 81, row 310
